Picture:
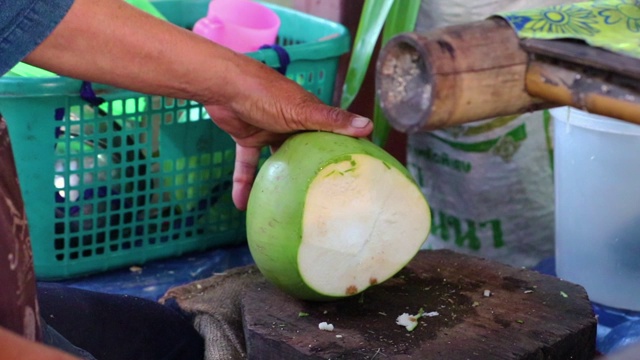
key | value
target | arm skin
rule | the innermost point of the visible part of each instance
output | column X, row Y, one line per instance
column 111, row 42
column 13, row 346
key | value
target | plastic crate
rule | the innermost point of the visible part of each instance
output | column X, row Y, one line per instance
column 140, row 177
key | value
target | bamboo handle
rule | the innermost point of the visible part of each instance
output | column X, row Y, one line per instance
column 595, row 91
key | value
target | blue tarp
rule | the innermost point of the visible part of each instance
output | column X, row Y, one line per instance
column 152, row 280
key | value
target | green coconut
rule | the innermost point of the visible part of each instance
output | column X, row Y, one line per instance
column 331, row 215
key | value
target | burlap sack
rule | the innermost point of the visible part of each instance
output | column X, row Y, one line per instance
column 214, row 304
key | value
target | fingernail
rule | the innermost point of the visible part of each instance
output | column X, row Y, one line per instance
column 360, row 122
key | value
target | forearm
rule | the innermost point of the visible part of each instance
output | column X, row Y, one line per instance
column 13, row 346
column 111, row 42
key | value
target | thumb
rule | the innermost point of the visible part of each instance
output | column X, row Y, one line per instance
column 333, row 119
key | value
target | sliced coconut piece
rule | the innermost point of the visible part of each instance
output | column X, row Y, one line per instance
column 362, row 220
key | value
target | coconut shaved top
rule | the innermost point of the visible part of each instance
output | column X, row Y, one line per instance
column 363, row 221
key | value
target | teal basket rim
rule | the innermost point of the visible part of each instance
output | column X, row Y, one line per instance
column 336, row 44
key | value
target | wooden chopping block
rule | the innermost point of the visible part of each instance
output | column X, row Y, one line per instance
column 527, row 316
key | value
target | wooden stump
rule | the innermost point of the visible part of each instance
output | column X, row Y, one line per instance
column 526, row 316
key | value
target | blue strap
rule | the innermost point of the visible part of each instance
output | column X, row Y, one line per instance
column 58, row 116
column 283, row 56
column 87, row 94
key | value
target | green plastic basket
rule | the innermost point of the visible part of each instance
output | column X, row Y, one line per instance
column 140, row 177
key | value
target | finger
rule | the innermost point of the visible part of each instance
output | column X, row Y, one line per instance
column 243, row 174
column 317, row 116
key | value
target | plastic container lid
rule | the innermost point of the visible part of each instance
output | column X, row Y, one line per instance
column 577, row 117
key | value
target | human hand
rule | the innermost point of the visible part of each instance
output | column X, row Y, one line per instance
column 262, row 108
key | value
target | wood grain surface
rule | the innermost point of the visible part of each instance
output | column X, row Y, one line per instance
column 527, row 316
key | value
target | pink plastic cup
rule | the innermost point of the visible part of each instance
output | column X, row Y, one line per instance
column 241, row 25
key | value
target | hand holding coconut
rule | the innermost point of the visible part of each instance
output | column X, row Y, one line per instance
column 329, row 215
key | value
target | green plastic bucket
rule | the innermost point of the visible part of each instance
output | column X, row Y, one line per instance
column 141, row 177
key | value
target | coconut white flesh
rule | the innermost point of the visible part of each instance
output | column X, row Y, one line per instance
column 363, row 221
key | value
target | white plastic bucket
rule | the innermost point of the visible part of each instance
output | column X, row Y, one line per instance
column 597, row 186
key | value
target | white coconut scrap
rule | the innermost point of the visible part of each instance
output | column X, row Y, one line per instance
column 325, row 326
column 411, row 321
column 408, row 321
column 487, row 293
